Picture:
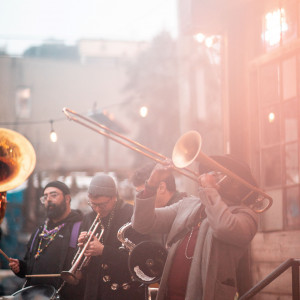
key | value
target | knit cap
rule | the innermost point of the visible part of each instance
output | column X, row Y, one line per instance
column 102, row 185
column 59, row 185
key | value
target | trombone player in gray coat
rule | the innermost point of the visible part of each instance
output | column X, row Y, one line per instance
column 207, row 235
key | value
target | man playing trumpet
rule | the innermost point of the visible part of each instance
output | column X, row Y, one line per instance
column 107, row 275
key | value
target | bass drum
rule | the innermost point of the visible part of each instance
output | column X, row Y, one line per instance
column 36, row 292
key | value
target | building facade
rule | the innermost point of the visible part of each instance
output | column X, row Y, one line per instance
column 260, row 48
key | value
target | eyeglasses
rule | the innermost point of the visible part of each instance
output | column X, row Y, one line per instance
column 221, row 178
column 51, row 195
column 98, row 205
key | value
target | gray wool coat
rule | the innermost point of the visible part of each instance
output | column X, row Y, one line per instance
column 222, row 239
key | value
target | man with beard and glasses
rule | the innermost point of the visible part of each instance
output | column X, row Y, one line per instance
column 52, row 246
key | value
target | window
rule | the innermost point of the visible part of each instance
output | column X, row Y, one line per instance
column 278, row 108
column 279, row 23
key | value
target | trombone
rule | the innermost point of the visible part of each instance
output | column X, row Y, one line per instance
column 80, row 260
column 121, row 139
column 186, row 150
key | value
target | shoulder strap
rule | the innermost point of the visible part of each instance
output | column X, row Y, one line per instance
column 32, row 242
column 74, row 234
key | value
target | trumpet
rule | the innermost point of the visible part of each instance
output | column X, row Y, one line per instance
column 146, row 260
column 186, row 150
column 80, row 260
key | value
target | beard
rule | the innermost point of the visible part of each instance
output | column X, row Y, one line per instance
column 55, row 211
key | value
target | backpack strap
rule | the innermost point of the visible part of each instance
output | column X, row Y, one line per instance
column 74, row 234
column 37, row 231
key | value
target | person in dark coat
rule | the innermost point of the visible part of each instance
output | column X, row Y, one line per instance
column 107, row 276
column 52, row 246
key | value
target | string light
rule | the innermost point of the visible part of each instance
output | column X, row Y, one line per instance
column 53, row 135
column 144, row 111
column 271, row 117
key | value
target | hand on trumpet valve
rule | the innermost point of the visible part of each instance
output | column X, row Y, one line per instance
column 82, row 239
column 94, row 248
column 14, row 265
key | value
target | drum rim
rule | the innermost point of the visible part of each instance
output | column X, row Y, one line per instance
column 33, row 286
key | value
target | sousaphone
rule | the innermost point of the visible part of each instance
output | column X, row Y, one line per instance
column 17, row 161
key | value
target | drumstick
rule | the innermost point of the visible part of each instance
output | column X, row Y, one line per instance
column 43, row 275
column 4, row 255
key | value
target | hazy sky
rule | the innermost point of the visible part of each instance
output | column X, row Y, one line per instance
column 24, row 22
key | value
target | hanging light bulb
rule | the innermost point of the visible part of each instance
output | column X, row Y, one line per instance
column 53, row 135
column 144, row 111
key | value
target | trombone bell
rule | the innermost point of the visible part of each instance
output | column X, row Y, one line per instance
column 187, row 149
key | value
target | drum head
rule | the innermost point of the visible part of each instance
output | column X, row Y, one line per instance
column 146, row 262
column 36, row 292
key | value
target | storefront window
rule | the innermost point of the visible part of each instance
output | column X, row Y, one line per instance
column 289, row 78
column 274, row 25
column 279, row 24
column 291, row 11
column 270, row 125
column 269, row 84
column 290, row 120
column 291, row 163
column 293, row 208
column 271, row 167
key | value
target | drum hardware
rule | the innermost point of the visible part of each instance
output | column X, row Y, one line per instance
column 146, row 260
column 186, row 150
column 42, row 275
column 6, row 257
column 152, row 293
column 43, row 292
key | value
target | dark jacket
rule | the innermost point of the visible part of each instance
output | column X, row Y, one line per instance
column 107, row 277
column 54, row 259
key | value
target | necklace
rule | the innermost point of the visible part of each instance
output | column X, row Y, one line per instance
column 187, row 246
column 188, row 242
column 107, row 226
column 47, row 235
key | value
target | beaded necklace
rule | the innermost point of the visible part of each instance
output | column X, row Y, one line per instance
column 107, row 226
column 47, row 235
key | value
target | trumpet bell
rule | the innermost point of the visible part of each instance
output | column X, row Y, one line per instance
column 70, row 277
column 187, row 149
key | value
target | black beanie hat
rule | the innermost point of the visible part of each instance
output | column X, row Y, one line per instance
column 240, row 168
column 59, row 185
column 233, row 164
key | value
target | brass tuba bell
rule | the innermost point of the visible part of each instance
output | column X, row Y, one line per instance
column 17, row 161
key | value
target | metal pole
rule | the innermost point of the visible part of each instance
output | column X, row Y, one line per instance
column 295, row 280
